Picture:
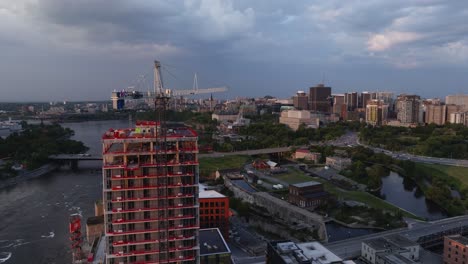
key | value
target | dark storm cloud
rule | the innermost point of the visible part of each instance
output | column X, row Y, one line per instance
column 242, row 43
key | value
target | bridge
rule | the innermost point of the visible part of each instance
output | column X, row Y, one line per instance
column 247, row 152
column 73, row 159
column 70, row 157
column 427, row 234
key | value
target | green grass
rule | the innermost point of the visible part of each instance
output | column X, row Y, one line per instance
column 363, row 197
column 292, row 176
column 459, row 173
column 210, row 165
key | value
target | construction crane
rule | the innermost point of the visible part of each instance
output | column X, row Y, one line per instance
column 133, row 93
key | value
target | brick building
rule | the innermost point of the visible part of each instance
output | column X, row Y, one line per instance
column 214, row 211
column 455, row 249
column 307, row 194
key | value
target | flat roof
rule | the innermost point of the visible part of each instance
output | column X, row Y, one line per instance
column 210, row 194
column 460, row 239
column 173, row 131
column 212, row 242
column 379, row 243
column 306, row 184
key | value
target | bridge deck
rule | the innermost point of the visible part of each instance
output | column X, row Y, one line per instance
column 74, row 157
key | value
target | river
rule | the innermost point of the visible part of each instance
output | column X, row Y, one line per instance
column 406, row 194
column 34, row 214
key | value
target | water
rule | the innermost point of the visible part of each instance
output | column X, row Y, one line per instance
column 405, row 194
column 34, row 214
column 338, row 232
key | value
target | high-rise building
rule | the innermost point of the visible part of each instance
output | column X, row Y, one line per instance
column 352, row 100
column 364, row 99
column 387, row 97
column 451, row 108
column 408, row 109
column 435, row 114
column 339, row 106
column 150, row 194
column 376, row 112
column 459, row 118
column 319, row 98
column 459, row 99
column 301, row 101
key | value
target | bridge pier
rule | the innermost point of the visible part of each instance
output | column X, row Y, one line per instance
column 74, row 164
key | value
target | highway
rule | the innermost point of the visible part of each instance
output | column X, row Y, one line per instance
column 351, row 139
column 351, row 248
column 416, row 158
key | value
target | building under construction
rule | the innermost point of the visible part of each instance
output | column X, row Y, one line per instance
column 150, row 194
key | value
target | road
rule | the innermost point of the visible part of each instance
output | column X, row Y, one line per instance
column 351, row 139
column 245, row 152
column 417, row 158
column 352, row 247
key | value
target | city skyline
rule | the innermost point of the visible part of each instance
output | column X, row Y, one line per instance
column 68, row 50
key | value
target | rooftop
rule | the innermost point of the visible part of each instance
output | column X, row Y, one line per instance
column 212, row 242
column 460, row 239
column 148, row 129
column 210, row 194
column 306, row 184
column 309, row 252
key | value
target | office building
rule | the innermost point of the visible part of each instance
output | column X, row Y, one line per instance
column 301, row 101
column 376, row 112
column 214, row 211
column 339, row 105
column 307, row 194
column 364, row 99
column 150, row 194
column 319, row 98
column 409, row 109
column 455, row 249
column 213, row 247
column 352, row 100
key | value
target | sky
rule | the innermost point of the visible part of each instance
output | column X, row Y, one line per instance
column 54, row 50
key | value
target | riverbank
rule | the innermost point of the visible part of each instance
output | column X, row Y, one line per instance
column 28, row 175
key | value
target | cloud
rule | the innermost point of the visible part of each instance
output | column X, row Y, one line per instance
column 384, row 41
column 235, row 34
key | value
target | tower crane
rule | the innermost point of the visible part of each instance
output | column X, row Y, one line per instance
column 132, row 92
